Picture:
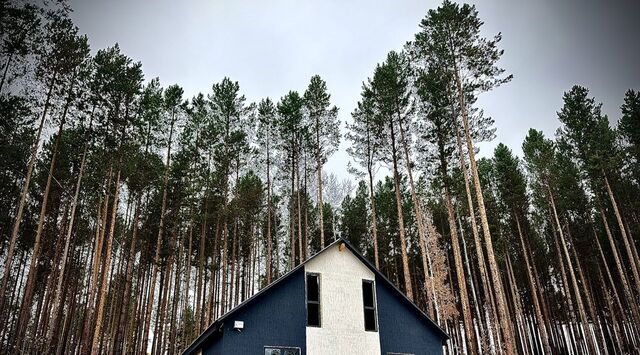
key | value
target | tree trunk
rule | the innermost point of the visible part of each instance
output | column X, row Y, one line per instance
column 23, row 195
column 292, row 257
column 74, row 204
column 583, row 316
column 403, row 242
column 105, row 270
column 119, row 339
column 505, row 323
column 484, row 277
column 374, row 220
column 159, row 239
column 534, row 290
column 199, row 305
column 299, row 213
column 96, row 265
column 269, row 266
column 623, row 276
column 319, row 177
column 414, row 198
column 517, row 305
column 462, row 284
column 175, row 298
column 6, row 70
column 35, row 255
column 625, row 239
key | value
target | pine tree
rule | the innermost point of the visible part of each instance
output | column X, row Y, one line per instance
column 21, row 36
column 75, row 50
column 290, row 127
column 393, row 104
column 629, row 130
column 587, row 131
column 438, row 130
column 365, row 134
column 267, row 136
column 65, row 51
column 450, row 36
column 512, row 190
column 325, row 131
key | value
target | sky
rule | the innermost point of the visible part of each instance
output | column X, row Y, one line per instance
column 271, row 47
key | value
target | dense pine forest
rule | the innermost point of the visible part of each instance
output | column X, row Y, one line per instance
column 133, row 216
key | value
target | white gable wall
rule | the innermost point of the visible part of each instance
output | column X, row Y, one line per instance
column 342, row 312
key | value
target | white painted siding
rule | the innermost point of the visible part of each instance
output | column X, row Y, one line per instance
column 342, row 312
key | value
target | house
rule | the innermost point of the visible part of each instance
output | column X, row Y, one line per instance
column 335, row 303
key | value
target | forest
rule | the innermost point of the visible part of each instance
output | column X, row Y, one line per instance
column 134, row 216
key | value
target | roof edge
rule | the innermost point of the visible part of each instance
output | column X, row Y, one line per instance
column 212, row 327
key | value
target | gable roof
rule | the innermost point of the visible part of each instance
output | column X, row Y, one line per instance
column 216, row 326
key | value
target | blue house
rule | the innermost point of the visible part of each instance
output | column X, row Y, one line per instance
column 335, row 303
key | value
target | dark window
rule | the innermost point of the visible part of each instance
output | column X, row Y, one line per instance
column 369, row 302
column 313, row 300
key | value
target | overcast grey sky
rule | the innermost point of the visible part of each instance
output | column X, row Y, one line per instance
column 272, row 47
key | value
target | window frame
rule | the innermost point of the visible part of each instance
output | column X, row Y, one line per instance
column 318, row 302
column 374, row 308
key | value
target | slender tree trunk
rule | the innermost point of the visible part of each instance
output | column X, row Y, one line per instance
column 299, row 213
column 203, row 232
column 269, row 266
column 484, row 277
column 319, row 177
column 159, row 239
column 119, row 339
column 534, row 290
column 292, row 257
column 6, row 70
column 175, row 299
column 609, row 277
column 403, row 242
column 43, row 319
column 587, row 289
column 517, row 305
column 225, row 249
column 414, row 198
column 583, row 316
column 107, row 263
column 23, row 195
column 101, row 226
column 187, row 276
column 623, row 276
column 505, row 323
column 163, row 300
column 25, row 309
column 462, row 284
column 472, row 283
column 74, row 204
column 374, row 219
column 625, row 239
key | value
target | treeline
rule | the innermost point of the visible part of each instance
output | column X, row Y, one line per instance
column 135, row 216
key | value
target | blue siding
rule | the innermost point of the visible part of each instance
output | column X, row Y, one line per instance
column 402, row 329
column 276, row 317
column 213, row 347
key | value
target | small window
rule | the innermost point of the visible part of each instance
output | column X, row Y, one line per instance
column 281, row 350
column 369, row 302
column 313, row 300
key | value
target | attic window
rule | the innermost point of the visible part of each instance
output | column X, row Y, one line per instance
column 313, row 300
column 369, row 302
